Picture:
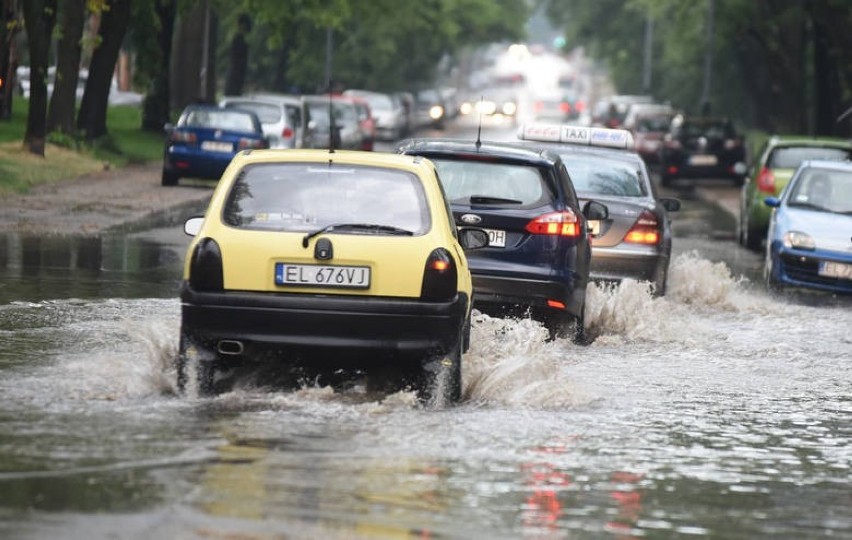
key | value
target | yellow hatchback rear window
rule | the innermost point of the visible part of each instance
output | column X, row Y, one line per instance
column 306, row 196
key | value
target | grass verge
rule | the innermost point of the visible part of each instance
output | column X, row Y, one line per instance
column 124, row 144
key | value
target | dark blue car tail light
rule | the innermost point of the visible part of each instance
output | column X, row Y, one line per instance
column 440, row 277
column 563, row 223
column 248, row 144
column 205, row 269
column 181, row 136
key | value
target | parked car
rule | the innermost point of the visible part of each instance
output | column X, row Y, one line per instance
column 612, row 111
column 366, row 122
column 205, row 139
column 388, row 113
column 301, row 261
column 777, row 160
column 649, row 123
column 538, row 257
column 810, row 230
column 702, row 147
column 635, row 241
column 284, row 118
column 347, row 130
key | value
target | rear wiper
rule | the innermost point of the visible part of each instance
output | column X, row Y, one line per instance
column 390, row 229
column 486, row 199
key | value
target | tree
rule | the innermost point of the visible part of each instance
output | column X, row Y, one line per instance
column 152, row 28
column 39, row 19
column 9, row 28
column 63, row 102
column 91, row 120
column 238, row 58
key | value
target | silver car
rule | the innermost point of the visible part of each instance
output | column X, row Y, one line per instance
column 284, row 118
column 348, row 134
column 388, row 113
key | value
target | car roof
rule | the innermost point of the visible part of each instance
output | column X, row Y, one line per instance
column 843, row 166
column 349, row 157
column 464, row 147
column 804, row 140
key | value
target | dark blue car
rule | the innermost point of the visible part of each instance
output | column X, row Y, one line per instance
column 205, row 139
column 539, row 252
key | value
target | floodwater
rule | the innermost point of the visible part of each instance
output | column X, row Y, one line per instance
column 717, row 411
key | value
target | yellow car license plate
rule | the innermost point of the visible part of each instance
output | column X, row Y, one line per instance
column 316, row 275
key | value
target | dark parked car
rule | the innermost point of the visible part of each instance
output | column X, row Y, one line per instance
column 702, row 147
column 539, row 253
column 635, row 241
column 205, row 139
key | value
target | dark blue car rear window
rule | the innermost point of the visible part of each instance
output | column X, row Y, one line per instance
column 464, row 179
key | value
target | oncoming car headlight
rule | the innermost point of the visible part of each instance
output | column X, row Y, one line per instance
column 509, row 108
column 436, row 112
column 799, row 240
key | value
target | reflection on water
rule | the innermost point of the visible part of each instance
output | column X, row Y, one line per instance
column 37, row 268
column 715, row 412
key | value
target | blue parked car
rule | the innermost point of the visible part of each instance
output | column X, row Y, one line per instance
column 539, row 253
column 205, row 139
column 810, row 231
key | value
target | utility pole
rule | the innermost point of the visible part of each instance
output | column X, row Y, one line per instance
column 205, row 54
column 708, row 57
column 648, row 59
column 329, row 51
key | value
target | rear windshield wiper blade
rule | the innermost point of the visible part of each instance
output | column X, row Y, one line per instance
column 390, row 229
column 486, row 199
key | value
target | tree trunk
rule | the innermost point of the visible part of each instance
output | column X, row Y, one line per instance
column 91, row 121
column 63, row 102
column 155, row 110
column 39, row 19
column 8, row 56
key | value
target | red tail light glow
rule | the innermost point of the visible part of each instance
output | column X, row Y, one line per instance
column 287, row 133
column 556, row 304
column 646, row 230
column 555, row 224
column 564, row 107
column 766, row 181
column 183, row 136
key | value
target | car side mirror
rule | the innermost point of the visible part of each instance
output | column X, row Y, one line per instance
column 670, row 204
column 595, row 211
column 193, row 225
column 772, row 202
column 471, row 238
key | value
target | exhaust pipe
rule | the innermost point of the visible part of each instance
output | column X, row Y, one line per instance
column 230, row 347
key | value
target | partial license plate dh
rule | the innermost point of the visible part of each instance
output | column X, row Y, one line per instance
column 217, row 146
column 316, row 275
column 835, row 270
column 496, row 238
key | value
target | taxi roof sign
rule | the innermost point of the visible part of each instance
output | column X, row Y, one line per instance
column 568, row 134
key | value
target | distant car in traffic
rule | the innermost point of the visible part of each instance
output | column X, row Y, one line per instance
column 777, row 160
column 497, row 101
column 539, row 253
column 430, row 109
column 635, row 240
column 284, row 118
column 323, row 110
column 810, row 231
column 557, row 106
column 611, row 112
column 301, row 261
column 205, row 139
column 388, row 113
column 702, row 147
column 649, row 123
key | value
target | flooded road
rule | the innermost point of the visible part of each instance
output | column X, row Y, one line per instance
column 717, row 411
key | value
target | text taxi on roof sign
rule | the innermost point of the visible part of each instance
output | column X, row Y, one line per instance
column 567, row 134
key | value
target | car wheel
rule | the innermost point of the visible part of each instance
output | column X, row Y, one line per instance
column 191, row 357
column 563, row 325
column 439, row 383
column 169, row 178
column 751, row 236
column 661, row 277
column 772, row 285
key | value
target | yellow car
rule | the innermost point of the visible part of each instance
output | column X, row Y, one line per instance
column 327, row 262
